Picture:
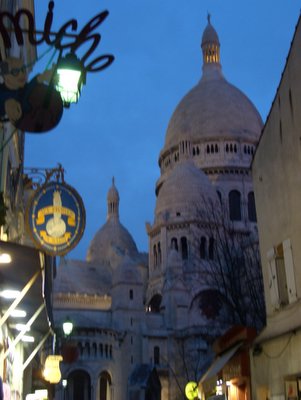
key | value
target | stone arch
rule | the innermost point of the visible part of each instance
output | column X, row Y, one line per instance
column 105, row 386
column 155, row 303
column 78, row 385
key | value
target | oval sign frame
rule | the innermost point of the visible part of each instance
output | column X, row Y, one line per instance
column 56, row 218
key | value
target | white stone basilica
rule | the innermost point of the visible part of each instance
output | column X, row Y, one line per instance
column 134, row 312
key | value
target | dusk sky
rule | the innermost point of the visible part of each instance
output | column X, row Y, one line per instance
column 118, row 126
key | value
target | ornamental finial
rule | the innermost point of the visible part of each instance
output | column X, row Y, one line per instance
column 209, row 18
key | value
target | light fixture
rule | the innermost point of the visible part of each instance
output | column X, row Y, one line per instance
column 67, row 327
column 5, row 258
column 9, row 294
column 18, row 313
column 69, row 79
column 27, row 339
column 64, row 383
column 20, row 327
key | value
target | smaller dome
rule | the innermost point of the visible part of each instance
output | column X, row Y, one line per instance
column 113, row 240
column 209, row 35
column 111, row 243
column 184, row 190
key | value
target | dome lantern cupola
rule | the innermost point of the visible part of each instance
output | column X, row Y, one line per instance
column 210, row 45
column 113, row 202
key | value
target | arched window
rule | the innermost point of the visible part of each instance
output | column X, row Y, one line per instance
column 174, row 243
column 211, row 249
column 184, row 248
column 219, row 196
column 131, row 294
column 234, row 205
column 156, row 355
column 79, row 386
column 203, row 248
column 251, row 207
column 105, row 383
column 159, row 254
column 155, row 255
column 154, row 304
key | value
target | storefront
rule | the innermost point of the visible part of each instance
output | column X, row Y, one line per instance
column 228, row 377
column 26, row 327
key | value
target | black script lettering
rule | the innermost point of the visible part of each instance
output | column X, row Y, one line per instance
column 15, row 20
column 83, row 35
column 48, row 23
column 56, row 39
column 62, row 33
column 90, row 67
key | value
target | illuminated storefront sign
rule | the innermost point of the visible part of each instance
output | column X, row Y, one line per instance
column 52, row 371
column 56, row 218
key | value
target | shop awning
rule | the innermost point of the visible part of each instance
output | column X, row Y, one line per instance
column 219, row 362
column 30, row 271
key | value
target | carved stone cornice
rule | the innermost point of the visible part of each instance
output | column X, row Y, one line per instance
column 82, row 301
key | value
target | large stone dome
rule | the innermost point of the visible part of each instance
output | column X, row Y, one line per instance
column 185, row 189
column 112, row 241
column 214, row 108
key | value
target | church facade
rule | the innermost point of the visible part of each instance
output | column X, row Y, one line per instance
column 144, row 323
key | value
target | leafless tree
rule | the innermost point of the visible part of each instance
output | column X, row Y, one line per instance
column 231, row 266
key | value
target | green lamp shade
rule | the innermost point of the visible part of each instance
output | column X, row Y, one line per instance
column 70, row 77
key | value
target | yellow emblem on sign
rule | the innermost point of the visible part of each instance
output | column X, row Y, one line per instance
column 56, row 218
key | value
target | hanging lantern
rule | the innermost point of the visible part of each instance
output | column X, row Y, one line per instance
column 52, row 371
column 69, row 79
column 67, row 327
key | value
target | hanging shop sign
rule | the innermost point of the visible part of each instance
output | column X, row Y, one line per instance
column 56, row 218
column 85, row 37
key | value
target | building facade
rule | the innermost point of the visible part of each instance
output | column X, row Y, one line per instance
column 23, row 269
column 276, row 366
column 163, row 309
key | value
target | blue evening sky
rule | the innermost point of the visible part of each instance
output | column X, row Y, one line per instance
column 118, row 126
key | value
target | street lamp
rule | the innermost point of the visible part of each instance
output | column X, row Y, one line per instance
column 67, row 327
column 69, row 79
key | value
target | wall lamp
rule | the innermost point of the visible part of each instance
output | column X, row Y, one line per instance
column 69, row 78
